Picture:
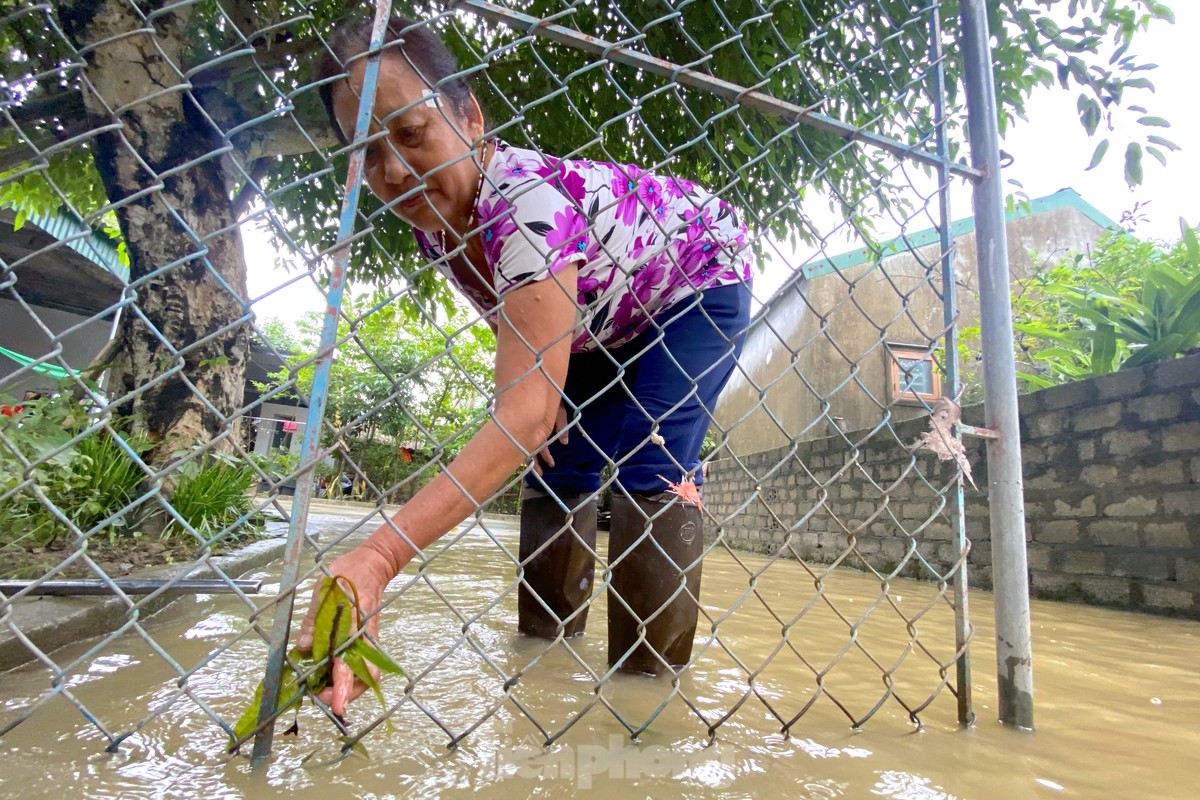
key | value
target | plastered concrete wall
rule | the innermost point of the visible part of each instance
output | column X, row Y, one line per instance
column 818, row 350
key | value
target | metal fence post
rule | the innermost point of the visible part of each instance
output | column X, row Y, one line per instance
column 1014, row 661
column 316, row 412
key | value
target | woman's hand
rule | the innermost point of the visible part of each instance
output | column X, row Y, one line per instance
column 560, row 434
column 370, row 571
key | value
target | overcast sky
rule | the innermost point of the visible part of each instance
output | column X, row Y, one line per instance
column 1050, row 152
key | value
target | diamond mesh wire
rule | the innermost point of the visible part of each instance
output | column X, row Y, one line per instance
column 143, row 143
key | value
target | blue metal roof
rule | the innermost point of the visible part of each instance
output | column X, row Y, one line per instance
column 77, row 235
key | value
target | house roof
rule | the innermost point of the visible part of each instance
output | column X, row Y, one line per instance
column 58, row 273
column 79, row 236
column 1063, row 198
column 62, row 264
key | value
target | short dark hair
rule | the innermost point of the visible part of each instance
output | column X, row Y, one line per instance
column 404, row 38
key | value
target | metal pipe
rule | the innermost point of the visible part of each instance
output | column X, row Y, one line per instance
column 956, row 507
column 1014, row 659
column 310, row 447
column 734, row 93
column 98, row 587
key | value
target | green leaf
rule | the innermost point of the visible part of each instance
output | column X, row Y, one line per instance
column 356, row 659
column 1133, row 164
column 355, row 746
column 1158, row 351
column 1162, row 142
column 1154, row 122
column 1089, row 113
column 331, row 626
column 248, row 721
column 1104, row 349
column 1036, row 381
column 379, row 658
column 1186, row 320
column 1098, row 155
column 290, row 693
column 1190, row 241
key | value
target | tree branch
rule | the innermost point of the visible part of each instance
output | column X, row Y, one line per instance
column 62, row 104
column 265, row 59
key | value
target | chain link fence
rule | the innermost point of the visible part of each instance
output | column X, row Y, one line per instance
column 151, row 408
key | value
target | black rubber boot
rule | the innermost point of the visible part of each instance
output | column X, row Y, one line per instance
column 646, row 581
column 561, row 573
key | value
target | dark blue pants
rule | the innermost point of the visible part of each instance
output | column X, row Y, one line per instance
column 666, row 381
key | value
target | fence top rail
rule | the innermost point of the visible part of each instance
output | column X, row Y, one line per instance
column 733, row 92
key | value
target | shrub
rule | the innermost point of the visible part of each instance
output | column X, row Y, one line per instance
column 211, row 494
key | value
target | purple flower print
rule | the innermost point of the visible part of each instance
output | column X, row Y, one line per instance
column 642, row 289
column 498, row 218
column 625, row 188
column 697, row 251
column 519, row 168
column 588, row 284
column 697, row 261
column 640, row 245
column 675, row 188
column 650, row 193
column 546, row 168
column 627, row 314
column 649, row 277
column 569, row 238
column 571, row 183
column 700, row 223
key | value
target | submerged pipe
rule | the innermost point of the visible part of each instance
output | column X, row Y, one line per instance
column 74, row 588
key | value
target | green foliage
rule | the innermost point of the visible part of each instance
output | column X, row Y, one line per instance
column 279, row 335
column 211, row 493
column 334, row 637
column 89, row 481
column 1129, row 304
column 279, row 463
column 395, row 383
column 861, row 63
column 54, row 449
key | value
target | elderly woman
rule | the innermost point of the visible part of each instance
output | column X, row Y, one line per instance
column 619, row 299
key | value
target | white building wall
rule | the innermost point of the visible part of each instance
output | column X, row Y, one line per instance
column 268, row 423
column 22, row 333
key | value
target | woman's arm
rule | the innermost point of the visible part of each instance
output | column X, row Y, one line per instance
column 533, row 346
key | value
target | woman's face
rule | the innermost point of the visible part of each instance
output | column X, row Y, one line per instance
column 426, row 144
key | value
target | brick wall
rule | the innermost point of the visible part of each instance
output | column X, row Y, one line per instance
column 1112, row 498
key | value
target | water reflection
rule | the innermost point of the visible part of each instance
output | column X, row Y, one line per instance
column 1105, row 679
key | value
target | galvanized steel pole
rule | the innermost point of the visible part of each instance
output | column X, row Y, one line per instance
column 956, row 506
column 1014, row 661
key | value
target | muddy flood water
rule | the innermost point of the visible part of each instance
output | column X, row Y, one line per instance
column 1117, row 702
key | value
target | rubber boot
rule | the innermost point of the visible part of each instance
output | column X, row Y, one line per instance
column 561, row 572
column 646, row 581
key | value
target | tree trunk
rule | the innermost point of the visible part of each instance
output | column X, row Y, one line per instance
column 179, row 370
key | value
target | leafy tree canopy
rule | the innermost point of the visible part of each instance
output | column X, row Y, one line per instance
column 248, row 67
column 410, row 384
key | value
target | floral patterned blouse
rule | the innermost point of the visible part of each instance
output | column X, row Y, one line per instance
column 641, row 241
